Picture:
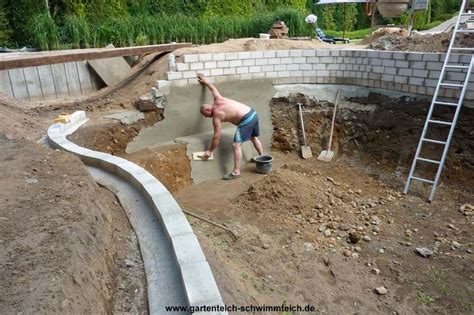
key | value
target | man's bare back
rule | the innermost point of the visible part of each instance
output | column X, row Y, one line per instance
column 229, row 110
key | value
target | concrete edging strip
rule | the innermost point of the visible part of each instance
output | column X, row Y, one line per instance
column 196, row 275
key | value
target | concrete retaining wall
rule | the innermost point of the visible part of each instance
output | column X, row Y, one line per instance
column 410, row 72
column 49, row 82
column 196, row 275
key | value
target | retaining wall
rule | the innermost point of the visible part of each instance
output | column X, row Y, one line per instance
column 196, row 275
column 49, row 82
column 410, row 72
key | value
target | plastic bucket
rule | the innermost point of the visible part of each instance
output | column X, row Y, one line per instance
column 264, row 164
column 264, row 36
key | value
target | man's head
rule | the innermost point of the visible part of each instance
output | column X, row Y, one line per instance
column 206, row 110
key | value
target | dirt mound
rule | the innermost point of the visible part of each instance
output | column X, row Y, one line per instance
column 421, row 42
column 252, row 44
column 389, row 31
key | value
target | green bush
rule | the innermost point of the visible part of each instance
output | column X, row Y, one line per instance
column 76, row 31
column 44, row 32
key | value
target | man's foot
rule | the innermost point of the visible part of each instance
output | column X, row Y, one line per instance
column 230, row 176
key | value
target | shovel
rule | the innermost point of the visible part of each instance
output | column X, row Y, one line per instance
column 327, row 155
column 305, row 150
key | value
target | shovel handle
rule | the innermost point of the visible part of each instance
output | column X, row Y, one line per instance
column 333, row 118
column 302, row 123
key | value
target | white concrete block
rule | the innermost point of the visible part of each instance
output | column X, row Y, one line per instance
column 283, row 53
column 293, row 67
column 255, row 69
column 218, row 71
column 296, row 53
column 273, row 61
column 182, row 66
column 309, row 53
column 218, row 56
column 256, row 54
column 235, row 63
column 189, row 74
column 268, row 68
column 190, row 58
column 283, row 74
column 187, row 249
column 223, row 64
column 323, row 53
column 280, row 67
column 196, row 66
column 312, row 59
column 205, row 57
column 229, row 71
column 232, row 56
column 269, row 54
column 242, row 70
column 199, row 284
column 299, row 60
column 174, row 76
column 261, row 62
column 248, row 62
column 245, row 55
column 210, row 65
column 286, row 60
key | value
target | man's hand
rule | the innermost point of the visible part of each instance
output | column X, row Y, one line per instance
column 202, row 79
column 206, row 156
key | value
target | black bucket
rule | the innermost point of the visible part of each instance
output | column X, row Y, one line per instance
column 264, row 164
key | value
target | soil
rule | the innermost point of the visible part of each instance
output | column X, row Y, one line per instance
column 63, row 239
column 66, row 245
column 418, row 42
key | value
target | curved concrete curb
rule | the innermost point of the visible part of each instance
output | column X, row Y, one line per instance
column 196, row 275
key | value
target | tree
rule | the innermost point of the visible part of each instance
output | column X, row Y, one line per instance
column 5, row 31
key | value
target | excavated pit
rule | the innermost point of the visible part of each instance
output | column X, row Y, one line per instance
column 380, row 132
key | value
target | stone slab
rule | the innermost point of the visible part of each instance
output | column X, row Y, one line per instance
column 110, row 70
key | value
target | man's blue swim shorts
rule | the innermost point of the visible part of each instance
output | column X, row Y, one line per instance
column 248, row 127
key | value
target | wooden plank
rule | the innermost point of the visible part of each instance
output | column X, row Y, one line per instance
column 18, row 83
column 47, row 82
column 72, row 77
column 84, row 77
column 5, row 85
column 33, row 84
column 60, row 81
column 46, row 58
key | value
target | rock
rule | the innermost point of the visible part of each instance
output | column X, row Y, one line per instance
column 344, row 227
column 322, row 228
column 451, row 226
column 366, row 238
column 381, row 290
column 150, row 102
column 376, row 229
column 381, row 251
column 308, row 247
column 81, row 184
column 354, row 237
column 3, row 219
column 318, row 206
column 30, row 179
column 327, row 232
column 129, row 263
column 265, row 246
column 424, row 252
column 355, row 255
column 330, row 179
column 358, row 249
column 347, row 253
column 375, row 220
column 455, row 244
column 375, row 271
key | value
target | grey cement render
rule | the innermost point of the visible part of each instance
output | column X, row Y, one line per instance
column 183, row 123
column 195, row 275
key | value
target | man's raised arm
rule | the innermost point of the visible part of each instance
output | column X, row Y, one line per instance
column 204, row 81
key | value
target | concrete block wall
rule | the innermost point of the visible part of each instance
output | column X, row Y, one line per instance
column 49, row 82
column 196, row 275
column 410, row 72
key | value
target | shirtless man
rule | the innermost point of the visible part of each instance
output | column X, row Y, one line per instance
column 227, row 110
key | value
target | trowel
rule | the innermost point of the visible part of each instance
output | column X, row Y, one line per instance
column 199, row 156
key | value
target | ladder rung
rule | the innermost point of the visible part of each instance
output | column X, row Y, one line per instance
column 457, row 67
column 462, row 48
column 423, row 180
column 467, row 14
column 433, row 141
column 465, row 31
column 440, row 122
column 451, row 85
column 446, row 103
column 428, row 160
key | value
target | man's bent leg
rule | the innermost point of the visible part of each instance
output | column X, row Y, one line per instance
column 258, row 145
column 237, row 148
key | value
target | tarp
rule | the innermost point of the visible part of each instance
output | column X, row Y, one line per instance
column 340, row 1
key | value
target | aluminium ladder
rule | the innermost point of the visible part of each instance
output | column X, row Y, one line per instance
column 436, row 102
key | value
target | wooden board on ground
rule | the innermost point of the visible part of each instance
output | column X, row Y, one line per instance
column 110, row 70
